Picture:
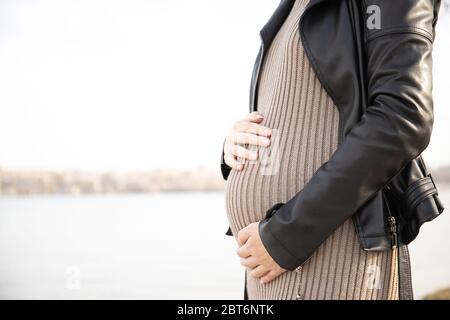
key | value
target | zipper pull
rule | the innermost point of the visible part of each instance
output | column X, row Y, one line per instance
column 393, row 228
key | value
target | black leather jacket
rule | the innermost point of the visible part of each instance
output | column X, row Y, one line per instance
column 380, row 79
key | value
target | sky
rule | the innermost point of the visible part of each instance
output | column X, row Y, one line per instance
column 138, row 84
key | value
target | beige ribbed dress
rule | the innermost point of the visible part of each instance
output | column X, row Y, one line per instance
column 305, row 122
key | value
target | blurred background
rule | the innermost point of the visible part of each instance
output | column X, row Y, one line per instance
column 112, row 119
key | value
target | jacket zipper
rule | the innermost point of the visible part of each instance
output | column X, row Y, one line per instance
column 298, row 270
column 392, row 226
column 255, row 85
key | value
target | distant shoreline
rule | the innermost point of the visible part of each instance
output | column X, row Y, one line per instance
column 77, row 182
column 23, row 183
column 443, row 186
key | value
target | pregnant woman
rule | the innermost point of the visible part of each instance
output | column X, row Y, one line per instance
column 340, row 103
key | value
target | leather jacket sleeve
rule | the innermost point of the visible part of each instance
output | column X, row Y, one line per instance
column 395, row 129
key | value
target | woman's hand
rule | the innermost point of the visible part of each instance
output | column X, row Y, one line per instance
column 247, row 131
column 255, row 256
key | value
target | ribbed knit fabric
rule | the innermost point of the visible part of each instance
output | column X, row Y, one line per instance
column 306, row 125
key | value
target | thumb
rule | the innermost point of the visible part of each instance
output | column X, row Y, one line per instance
column 254, row 117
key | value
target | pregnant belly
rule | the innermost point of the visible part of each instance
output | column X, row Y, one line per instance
column 251, row 192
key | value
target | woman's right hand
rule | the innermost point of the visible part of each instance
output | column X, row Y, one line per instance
column 248, row 131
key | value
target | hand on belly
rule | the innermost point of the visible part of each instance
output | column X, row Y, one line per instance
column 247, row 131
column 255, row 256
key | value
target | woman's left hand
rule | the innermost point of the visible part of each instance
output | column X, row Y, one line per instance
column 255, row 256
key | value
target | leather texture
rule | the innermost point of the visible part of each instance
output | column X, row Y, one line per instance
column 381, row 82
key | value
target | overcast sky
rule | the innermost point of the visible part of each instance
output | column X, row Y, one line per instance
column 138, row 84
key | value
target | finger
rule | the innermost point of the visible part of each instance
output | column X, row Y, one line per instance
column 259, row 271
column 250, row 127
column 271, row 275
column 241, row 152
column 250, row 138
column 243, row 252
column 254, row 117
column 233, row 163
column 250, row 262
column 242, row 237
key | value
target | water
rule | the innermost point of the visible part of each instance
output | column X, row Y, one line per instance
column 161, row 246
column 133, row 246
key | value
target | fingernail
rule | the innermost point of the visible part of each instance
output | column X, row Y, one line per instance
column 266, row 142
column 254, row 155
column 268, row 132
